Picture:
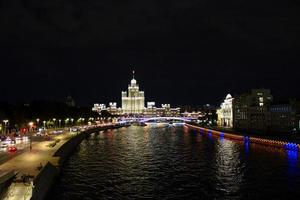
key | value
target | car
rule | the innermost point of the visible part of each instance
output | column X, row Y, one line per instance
column 3, row 145
column 12, row 149
column 8, row 140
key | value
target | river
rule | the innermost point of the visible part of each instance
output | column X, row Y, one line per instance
column 161, row 161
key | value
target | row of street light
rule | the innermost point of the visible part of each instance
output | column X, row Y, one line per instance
column 54, row 122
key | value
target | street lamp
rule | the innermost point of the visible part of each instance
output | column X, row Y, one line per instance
column 44, row 122
column 54, row 120
column 5, row 125
column 72, row 120
column 37, row 122
column 67, row 122
column 30, row 132
column 59, row 123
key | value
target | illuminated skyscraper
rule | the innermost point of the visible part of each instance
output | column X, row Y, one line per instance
column 133, row 101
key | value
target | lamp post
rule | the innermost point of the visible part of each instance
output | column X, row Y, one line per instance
column 54, row 120
column 67, row 122
column 59, row 123
column 72, row 120
column 37, row 123
column 30, row 132
column 5, row 125
column 44, row 122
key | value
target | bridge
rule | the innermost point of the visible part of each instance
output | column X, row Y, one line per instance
column 158, row 119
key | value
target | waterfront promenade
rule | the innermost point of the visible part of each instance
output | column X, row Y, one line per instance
column 28, row 162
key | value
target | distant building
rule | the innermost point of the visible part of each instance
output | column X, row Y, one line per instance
column 164, row 111
column 133, row 101
column 151, row 109
column 113, row 109
column 193, row 114
column 70, row 101
column 251, row 110
column 99, row 107
column 285, row 116
column 225, row 113
column 208, row 115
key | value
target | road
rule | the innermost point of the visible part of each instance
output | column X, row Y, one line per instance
column 26, row 162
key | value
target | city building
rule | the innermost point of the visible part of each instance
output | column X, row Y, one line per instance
column 164, row 111
column 150, row 110
column 133, row 101
column 251, row 110
column 285, row 116
column 192, row 114
column 225, row 113
column 208, row 116
column 113, row 109
column 99, row 107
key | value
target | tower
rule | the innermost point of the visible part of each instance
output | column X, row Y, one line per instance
column 133, row 101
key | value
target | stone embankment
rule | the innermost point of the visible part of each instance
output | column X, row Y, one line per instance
column 248, row 139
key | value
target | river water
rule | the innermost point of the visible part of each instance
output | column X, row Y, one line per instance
column 160, row 161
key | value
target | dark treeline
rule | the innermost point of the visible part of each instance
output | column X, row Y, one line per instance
column 19, row 115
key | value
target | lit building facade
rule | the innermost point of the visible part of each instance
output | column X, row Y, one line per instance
column 285, row 116
column 113, row 109
column 251, row 110
column 225, row 113
column 164, row 111
column 99, row 107
column 133, row 101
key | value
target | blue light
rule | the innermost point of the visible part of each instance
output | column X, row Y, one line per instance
column 222, row 135
column 291, row 147
column 247, row 147
column 201, row 131
column 209, row 135
column 246, row 140
column 292, row 157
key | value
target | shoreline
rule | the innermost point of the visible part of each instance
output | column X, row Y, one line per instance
column 43, row 183
column 248, row 139
column 42, row 165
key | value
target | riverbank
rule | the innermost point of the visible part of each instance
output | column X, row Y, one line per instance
column 42, row 164
column 46, row 178
column 248, row 139
column 286, row 137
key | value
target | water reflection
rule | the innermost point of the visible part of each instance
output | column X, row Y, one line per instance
column 292, row 157
column 166, row 162
column 229, row 169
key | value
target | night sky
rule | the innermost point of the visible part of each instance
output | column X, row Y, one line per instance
column 184, row 52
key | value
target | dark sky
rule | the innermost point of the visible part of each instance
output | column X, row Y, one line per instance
column 183, row 51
